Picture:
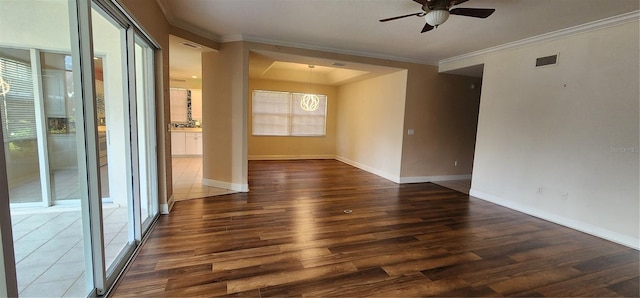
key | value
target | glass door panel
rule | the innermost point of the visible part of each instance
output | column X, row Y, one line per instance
column 18, row 110
column 146, row 131
column 114, row 137
column 60, row 121
column 42, row 149
column 56, row 169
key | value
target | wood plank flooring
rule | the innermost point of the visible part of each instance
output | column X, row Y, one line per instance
column 290, row 236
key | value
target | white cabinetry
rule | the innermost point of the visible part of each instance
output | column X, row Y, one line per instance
column 186, row 143
column 177, row 143
column 196, row 104
column 193, row 143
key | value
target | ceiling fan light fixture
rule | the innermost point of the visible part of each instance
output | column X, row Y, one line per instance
column 437, row 17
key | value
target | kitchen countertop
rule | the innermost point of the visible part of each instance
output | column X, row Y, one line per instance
column 186, row 129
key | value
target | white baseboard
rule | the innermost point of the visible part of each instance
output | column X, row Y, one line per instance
column 369, row 169
column 290, row 157
column 166, row 208
column 226, row 185
column 561, row 220
column 423, row 179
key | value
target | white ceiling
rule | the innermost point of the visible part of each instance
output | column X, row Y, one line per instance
column 185, row 62
column 351, row 26
column 293, row 68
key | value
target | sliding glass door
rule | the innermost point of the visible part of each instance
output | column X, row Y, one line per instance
column 146, row 121
column 78, row 127
column 44, row 154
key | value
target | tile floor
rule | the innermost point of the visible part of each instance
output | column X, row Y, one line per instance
column 65, row 185
column 187, row 180
column 48, row 242
column 49, row 249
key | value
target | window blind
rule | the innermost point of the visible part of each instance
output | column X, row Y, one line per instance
column 279, row 114
column 308, row 123
column 17, row 108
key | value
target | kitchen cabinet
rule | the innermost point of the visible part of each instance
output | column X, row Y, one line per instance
column 177, row 143
column 193, row 143
column 178, row 104
column 196, row 104
column 186, row 143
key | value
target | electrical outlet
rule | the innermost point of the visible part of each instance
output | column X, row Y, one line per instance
column 565, row 196
column 410, row 132
column 455, row 163
column 540, row 190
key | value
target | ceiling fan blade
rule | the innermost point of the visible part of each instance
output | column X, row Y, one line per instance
column 422, row 2
column 473, row 12
column 456, row 2
column 404, row 16
column 426, row 28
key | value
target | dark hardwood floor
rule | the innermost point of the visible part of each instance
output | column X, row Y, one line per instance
column 290, row 236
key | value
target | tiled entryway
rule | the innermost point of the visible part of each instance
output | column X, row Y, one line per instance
column 48, row 242
column 187, row 180
column 49, row 248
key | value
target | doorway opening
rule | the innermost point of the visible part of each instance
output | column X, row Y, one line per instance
column 474, row 90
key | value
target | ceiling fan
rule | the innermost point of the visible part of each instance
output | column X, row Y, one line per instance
column 437, row 12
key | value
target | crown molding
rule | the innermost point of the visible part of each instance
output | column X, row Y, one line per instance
column 193, row 29
column 250, row 38
column 164, row 7
column 232, row 38
column 562, row 33
column 173, row 21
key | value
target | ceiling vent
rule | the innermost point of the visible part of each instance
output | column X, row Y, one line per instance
column 546, row 61
column 190, row 45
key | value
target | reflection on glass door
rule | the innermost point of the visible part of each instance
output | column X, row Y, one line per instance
column 147, row 171
column 114, row 137
column 60, row 121
column 81, row 191
column 38, row 114
column 20, row 129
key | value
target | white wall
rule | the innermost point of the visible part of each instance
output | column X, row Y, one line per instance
column 370, row 117
column 561, row 142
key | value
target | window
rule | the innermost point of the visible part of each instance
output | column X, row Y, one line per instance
column 17, row 105
column 280, row 114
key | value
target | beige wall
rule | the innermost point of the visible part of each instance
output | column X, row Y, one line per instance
column 225, row 104
column 265, row 147
column 443, row 112
column 561, row 142
column 370, row 124
column 149, row 16
column 187, row 84
column 224, row 110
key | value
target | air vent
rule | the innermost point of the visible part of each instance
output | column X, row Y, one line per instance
column 548, row 60
column 340, row 64
column 190, row 45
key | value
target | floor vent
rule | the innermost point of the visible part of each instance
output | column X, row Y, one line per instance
column 548, row 60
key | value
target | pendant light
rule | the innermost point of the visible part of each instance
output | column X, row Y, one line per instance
column 309, row 102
